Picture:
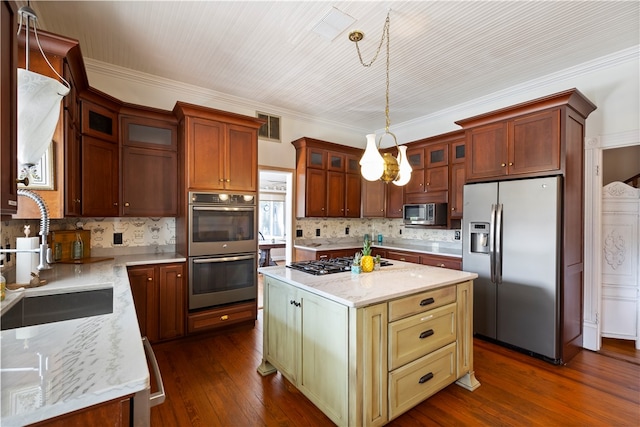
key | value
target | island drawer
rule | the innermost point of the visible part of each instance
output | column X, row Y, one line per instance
column 418, row 335
column 418, row 303
column 420, row 379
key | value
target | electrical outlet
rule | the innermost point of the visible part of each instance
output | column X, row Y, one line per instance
column 457, row 235
column 298, row 233
column 346, row 231
column 317, row 232
column 117, row 238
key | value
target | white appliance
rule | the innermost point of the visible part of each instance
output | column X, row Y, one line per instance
column 512, row 240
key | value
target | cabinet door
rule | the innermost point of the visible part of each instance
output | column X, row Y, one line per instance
column 352, row 163
column 241, row 155
column 335, row 194
column 395, row 200
column 437, row 155
column 457, row 152
column 487, row 151
column 283, row 330
column 171, row 301
column 149, row 182
column 99, row 122
column 140, row 278
column 535, row 143
column 456, row 190
column 323, row 370
column 373, row 199
column 352, row 196
column 404, row 256
column 335, row 162
column 205, row 139
column 316, row 158
column 440, row 261
column 149, row 133
column 437, row 179
column 316, row 193
column 99, row 177
column 8, row 110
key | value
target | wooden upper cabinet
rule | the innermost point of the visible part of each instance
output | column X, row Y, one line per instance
column 221, row 148
column 8, row 109
column 99, row 177
column 327, row 179
column 437, row 155
column 395, row 201
column 524, row 140
column 373, row 199
column 99, row 121
column 149, row 164
column 487, row 151
column 534, row 143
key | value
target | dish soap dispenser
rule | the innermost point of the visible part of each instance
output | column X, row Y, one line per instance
column 78, row 247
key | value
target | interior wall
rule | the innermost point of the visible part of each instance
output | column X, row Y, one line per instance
column 619, row 164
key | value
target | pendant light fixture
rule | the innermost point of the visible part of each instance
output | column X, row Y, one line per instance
column 39, row 99
column 374, row 166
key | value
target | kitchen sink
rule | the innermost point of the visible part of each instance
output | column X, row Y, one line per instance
column 37, row 310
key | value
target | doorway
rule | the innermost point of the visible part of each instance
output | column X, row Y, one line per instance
column 275, row 213
column 594, row 148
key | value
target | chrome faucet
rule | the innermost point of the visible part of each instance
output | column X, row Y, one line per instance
column 44, row 250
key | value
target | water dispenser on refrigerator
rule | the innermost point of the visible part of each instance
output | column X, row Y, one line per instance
column 479, row 237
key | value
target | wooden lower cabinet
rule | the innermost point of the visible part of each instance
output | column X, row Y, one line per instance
column 115, row 413
column 159, row 294
column 366, row 366
column 221, row 317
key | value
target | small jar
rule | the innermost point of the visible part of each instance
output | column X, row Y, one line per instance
column 77, row 251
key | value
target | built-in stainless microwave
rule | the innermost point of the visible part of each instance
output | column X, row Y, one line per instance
column 425, row 214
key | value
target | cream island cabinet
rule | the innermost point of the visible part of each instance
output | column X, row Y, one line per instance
column 365, row 348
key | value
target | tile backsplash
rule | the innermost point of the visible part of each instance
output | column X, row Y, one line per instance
column 358, row 227
column 137, row 233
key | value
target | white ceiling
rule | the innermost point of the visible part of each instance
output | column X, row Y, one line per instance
column 443, row 53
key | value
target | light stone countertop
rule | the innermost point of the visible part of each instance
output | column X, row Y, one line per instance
column 56, row 368
column 421, row 246
column 360, row 290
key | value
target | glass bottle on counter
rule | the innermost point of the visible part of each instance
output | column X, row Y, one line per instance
column 77, row 248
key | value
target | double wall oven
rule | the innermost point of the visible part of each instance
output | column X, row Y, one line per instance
column 222, row 246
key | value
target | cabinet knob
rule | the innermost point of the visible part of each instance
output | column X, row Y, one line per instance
column 24, row 181
column 510, row 163
column 225, row 317
column 453, row 209
column 221, row 180
column 502, row 164
column 77, row 200
column 441, row 265
column 126, row 204
column 115, row 203
column 150, row 279
column 178, row 275
column 228, row 180
column 428, row 183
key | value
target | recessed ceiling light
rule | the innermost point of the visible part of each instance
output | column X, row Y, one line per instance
column 333, row 24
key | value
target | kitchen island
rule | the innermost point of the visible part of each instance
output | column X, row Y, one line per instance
column 52, row 369
column 365, row 348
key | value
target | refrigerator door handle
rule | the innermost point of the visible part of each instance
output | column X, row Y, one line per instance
column 492, row 244
column 498, row 244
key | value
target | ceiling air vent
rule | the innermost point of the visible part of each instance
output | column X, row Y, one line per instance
column 271, row 129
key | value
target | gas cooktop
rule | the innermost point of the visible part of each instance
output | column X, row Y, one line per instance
column 327, row 266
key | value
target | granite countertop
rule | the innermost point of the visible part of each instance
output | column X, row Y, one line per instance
column 426, row 247
column 56, row 368
column 360, row 290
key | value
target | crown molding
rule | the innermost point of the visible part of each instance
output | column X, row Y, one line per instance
column 199, row 94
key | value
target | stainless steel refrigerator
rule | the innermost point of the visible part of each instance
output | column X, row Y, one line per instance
column 512, row 240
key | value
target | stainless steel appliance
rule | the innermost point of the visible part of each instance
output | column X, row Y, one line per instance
column 425, row 214
column 222, row 223
column 327, row 265
column 512, row 239
column 216, row 280
column 222, row 249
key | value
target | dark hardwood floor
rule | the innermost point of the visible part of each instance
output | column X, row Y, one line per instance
column 211, row 380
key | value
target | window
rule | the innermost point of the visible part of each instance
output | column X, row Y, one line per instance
column 271, row 219
column 271, row 129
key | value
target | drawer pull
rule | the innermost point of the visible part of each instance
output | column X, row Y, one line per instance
column 426, row 334
column 426, row 378
column 224, row 317
column 427, row 301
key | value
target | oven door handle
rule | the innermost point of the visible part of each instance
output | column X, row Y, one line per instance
column 224, row 259
column 224, row 208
